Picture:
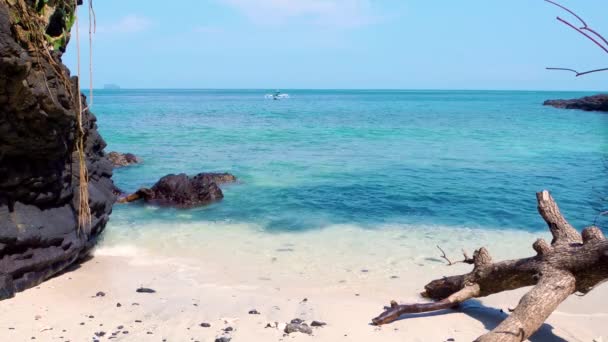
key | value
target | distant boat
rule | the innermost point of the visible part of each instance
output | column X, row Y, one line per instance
column 277, row 96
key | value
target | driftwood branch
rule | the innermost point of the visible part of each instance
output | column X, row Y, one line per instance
column 466, row 260
column 588, row 32
column 573, row 262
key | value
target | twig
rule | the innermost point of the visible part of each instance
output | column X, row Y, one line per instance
column 466, row 260
column 579, row 73
column 444, row 256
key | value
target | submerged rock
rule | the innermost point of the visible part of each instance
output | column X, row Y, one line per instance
column 597, row 103
column 182, row 191
column 39, row 165
column 120, row 160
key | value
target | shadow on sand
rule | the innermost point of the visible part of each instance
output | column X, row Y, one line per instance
column 490, row 317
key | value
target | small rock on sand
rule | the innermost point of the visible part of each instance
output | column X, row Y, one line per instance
column 223, row 339
column 145, row 290
column 301, row 328
column 254, row 312
column 317, row 324
column 205, row 325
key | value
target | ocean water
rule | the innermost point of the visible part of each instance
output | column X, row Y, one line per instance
column 468, row 160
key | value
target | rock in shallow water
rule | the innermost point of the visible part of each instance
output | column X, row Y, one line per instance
column 183, row 191
column 590, row 103
column 120, row 160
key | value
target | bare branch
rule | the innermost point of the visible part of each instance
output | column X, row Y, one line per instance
column 562, row 231
column 450, row 263
column 585, row 27
column 569, row 11
column 579, row 73
column 593, row 35
column 395, row 311
column 466, row 260
column 584, row 34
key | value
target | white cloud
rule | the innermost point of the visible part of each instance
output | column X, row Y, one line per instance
column 128, row 24
column 331, row 13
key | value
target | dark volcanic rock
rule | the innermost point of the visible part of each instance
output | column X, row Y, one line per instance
column 597, row 103
column 145, row 290
column 120, row 160
column 301, row 328
column 317, row 324
column 183, row 191
column 39, row 168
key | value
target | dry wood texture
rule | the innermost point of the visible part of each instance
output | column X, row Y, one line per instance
column 573, row 262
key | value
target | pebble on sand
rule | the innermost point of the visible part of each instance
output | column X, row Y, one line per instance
column 301, row 328
column 145, row 290
column 317, row 324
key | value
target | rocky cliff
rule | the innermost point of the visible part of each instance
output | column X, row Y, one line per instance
column 39, row 168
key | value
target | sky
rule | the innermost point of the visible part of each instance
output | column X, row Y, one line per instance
column 340, row 44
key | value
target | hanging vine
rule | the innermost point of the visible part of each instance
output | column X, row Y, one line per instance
column 58, row 21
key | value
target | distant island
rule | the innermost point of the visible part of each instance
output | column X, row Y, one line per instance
column 111, row 86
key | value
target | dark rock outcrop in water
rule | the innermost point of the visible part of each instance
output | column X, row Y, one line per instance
column 597, row 103
column 182, row 191
column 39, row 170
column 120, row 159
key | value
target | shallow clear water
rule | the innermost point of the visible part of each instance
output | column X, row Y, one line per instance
column 366, row 158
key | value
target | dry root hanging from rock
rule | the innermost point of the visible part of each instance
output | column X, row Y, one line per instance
column 573, row 262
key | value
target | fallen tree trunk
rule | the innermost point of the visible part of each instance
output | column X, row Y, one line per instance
column 572, row 263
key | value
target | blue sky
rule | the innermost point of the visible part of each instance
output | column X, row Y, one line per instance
column 400, row 44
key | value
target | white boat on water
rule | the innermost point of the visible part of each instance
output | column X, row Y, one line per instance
column 277, row 96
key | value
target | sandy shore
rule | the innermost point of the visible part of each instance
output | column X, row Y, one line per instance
column 311, row 276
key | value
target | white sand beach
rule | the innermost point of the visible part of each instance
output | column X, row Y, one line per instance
column 314, row 275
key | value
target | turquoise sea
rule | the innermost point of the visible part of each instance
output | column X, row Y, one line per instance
column 368, row 158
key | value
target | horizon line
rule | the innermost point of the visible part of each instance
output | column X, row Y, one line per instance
column 359, row 89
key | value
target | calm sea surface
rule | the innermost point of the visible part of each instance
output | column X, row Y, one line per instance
column 368, row 158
